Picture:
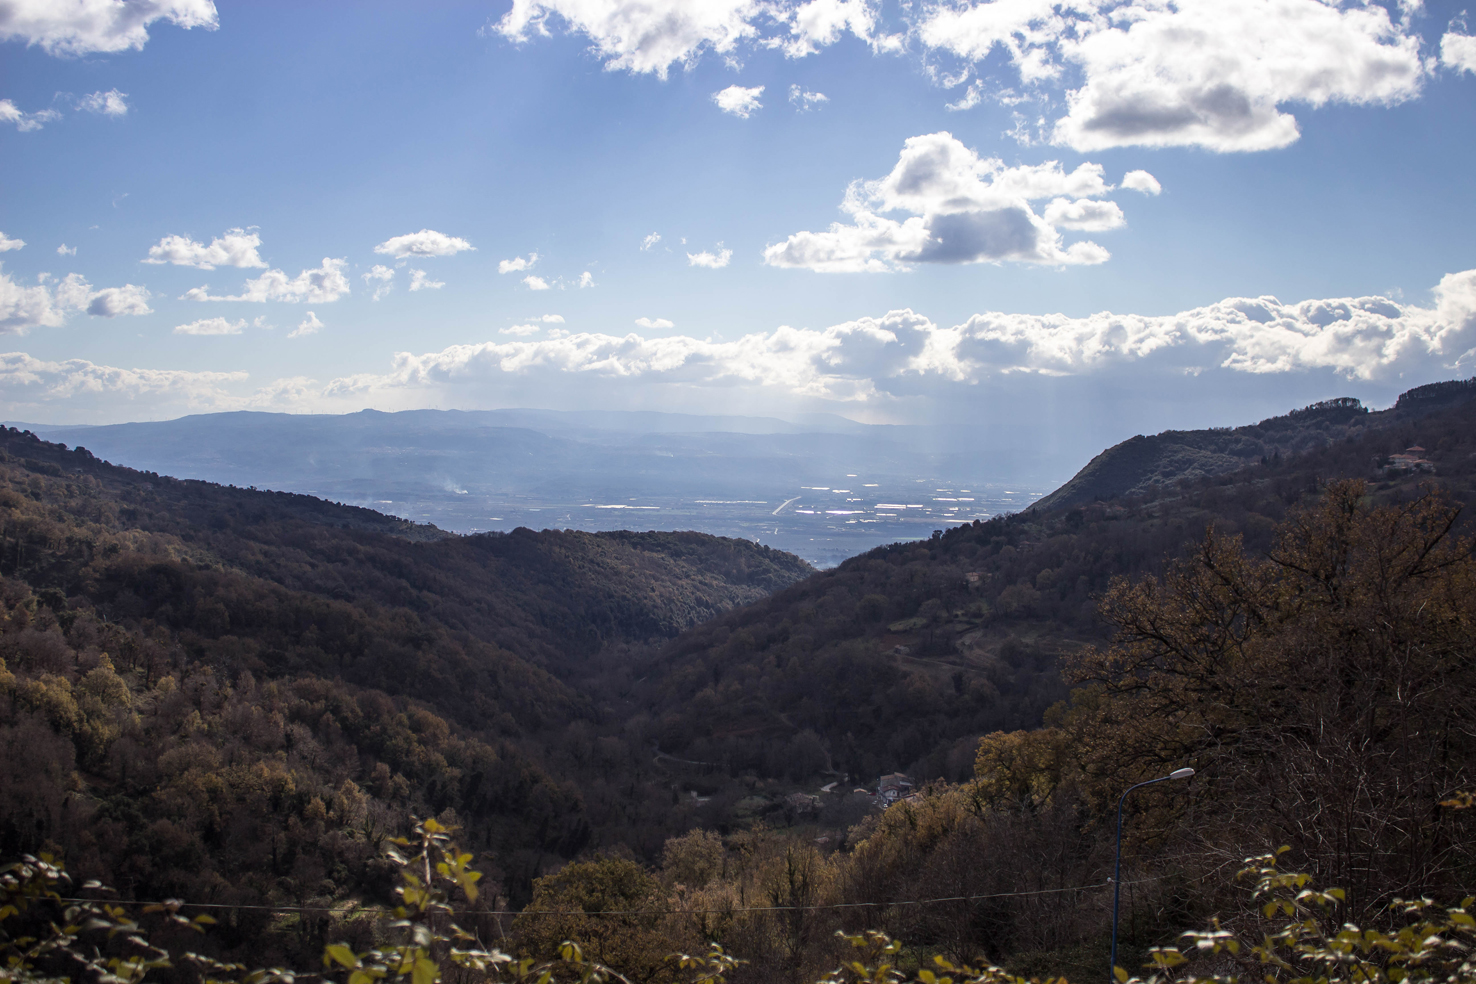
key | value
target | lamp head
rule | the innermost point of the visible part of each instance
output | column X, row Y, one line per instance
column 1183, row 773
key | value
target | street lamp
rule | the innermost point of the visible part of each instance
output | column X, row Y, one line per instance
column 1184, row 773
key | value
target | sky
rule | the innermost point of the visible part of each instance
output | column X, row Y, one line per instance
column 1095, row 217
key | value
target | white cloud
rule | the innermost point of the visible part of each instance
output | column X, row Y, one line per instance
column 23, row 308
column 712, row 261
column 535, row 283
column 964, row 210
column 211, row 326
column 904, row 354
column 657, row 323
column 520, row 330
column 1083, row 214
column 113, row 301
column 385, row 278
column 1458, row 51
column 80, row 27
column 237, row 248
column 321, row 285
column 738, row 101
column 420, row 280
column 650, row 240
column 308, row 325
column 110, row 103
column 1142, row 181
column 65, row 250
column 804, row 100
column 25, row 122
column 820, row 23
column 586, row 279
column 517, row 264
column 641, row 35
column 1188, row 73
column 7, row 244
column 425, row 243
column 552, row 319
column 972, row 96
column 650, row 36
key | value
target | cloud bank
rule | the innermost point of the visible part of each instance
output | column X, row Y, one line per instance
column 890, row 360
column 904, row 354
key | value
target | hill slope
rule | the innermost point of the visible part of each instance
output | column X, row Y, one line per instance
column 1139, row 463
column 196, row 682
column 900, row 658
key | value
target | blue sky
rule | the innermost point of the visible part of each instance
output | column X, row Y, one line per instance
column 938, row 211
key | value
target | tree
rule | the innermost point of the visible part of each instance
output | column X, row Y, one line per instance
column 1323, row 691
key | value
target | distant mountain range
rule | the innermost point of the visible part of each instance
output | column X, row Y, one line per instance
column 814, row 486
column 371, row 453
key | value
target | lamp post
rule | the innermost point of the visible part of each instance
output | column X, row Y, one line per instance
column 1184, row 773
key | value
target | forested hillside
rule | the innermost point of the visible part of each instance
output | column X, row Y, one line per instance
column 234, row 694
column 900, row 658
column 1138, row 464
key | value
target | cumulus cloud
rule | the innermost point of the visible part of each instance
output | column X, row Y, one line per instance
column 657, row 323
column 237, row 248
column 425, row 243
column 23, row 308
column 517, row 264
column 1458, row 51
column 650, row 241
column 552, row 319
column 640, row 35
column 712, row 261
column 41, row 306
column 321, row 285
column 520, row 330
column 110, row 103
column 381, row 278
column 1141, row 181
column 81, row 27
column 820, row 23
column 211, row 326
column 964, row 210
column 25, row 122
column 1189, row 73
column 738, row 101
column 420, row 280
column 308, row 325
column 113, row 301
column 903, row 353
column 804, row 100
column 586, row 279
column 65, row 250
column 7, row 243
column 535, row 283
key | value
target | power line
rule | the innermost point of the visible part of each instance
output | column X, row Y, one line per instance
column 379, row 910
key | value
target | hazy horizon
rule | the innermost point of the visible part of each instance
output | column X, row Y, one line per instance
column 1042, row 227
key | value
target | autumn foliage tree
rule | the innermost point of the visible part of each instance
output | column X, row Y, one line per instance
column 1323, row 690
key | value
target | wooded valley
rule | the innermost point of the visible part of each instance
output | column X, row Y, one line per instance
column 239, row 697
